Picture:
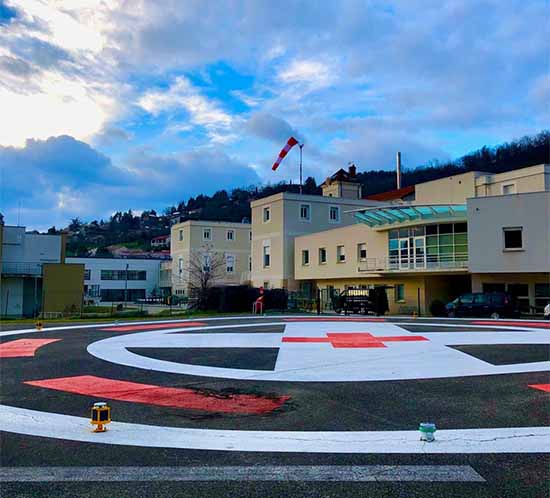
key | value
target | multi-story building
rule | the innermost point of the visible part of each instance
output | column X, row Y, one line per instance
column 278, row 219
column 195, row 242
column 34, row 276
column 475, row 231
column 117, row 280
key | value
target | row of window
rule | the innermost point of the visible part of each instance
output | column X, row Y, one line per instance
column 118, row 274
column 305, row 213
column 230, row 261
column 230, row 235
column 123, row 275
column 340, row 254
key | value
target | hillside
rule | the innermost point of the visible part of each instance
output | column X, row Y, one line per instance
column 137, row 231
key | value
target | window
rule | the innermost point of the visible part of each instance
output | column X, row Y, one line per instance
column 467, row 299
column 542, row 296
column 206, row 260
column 267, row 256
column 340, row 254
column 322, row 255
column 513, row 238
column 250, row 235
column 121, row 275
column 521, row 294
column 508, row 189
column 180, row 265
column 87, row 274
column 229, row 263
column 361, row 252
column 267, row 214
column 181, row 235
column 481, row 299
column 230, row 235
column 399, row 291
column 305, row 212
column 113, row 295
column 305, row 257
column 206, row 234
column 334, row 214
column 93, row 291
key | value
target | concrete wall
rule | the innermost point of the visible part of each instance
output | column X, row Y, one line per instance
column 21, row 247
column 193, row 244
column 63, row 288
column 531, row 179
column 450, row 190
column 285, row 224
column 487, row 216
column 349, row 237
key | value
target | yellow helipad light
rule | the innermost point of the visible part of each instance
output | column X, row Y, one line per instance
column 101, row 416
column 39, row 325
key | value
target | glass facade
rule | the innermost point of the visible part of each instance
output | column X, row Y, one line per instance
column 428, row 246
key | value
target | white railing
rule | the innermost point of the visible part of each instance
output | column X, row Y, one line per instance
column 455, row 261
column 22, row 268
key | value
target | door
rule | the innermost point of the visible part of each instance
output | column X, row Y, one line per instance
column 403, row 254
column 419, row 252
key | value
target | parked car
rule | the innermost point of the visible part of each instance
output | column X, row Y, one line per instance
column 484, row 304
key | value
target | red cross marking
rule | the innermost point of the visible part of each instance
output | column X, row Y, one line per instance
column 356, row 339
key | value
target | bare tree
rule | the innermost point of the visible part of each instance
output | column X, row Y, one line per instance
column 204, row 269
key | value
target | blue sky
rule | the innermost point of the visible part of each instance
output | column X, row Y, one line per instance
column 139, row 104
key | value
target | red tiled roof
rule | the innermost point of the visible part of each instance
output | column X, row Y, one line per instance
column 391, row 195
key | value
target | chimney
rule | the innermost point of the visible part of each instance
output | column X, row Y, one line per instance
column 352, row 170
column 398, row 172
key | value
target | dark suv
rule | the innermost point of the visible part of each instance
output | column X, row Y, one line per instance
column 484, row 304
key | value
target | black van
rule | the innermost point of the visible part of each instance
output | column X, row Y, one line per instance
column 484, row 304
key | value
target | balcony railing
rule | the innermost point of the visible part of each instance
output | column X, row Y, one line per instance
column 33, row 269
column 456, row 261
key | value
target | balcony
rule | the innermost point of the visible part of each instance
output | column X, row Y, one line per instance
column 440, row 263
column 22, row 269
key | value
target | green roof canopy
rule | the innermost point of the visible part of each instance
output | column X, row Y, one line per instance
column 389, row 215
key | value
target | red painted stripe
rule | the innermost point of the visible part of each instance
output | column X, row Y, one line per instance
column 23, row 347
column 356, row 339
column 154, row 326
column 541, row 325
column 541, row 387
column 334, row 319
column 191, row 399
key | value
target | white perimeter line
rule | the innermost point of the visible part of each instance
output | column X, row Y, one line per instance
column 429, row 473
column 69, row 427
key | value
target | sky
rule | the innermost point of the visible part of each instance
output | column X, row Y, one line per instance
column 111, row 105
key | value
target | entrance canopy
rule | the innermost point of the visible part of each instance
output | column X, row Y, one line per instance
column 396, row 214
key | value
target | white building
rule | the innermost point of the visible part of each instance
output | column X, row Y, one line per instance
column 22, row 256
column 109, row 280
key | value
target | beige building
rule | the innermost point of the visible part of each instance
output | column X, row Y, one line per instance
column 208, row 241
column 278, row 219
column 461, row 233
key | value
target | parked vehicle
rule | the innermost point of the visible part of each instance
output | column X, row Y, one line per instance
column 365, row 301
column 484, row 304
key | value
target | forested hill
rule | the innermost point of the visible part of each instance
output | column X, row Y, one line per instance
column 128, row 228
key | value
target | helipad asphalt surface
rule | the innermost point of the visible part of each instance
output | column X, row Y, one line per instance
column 277, row 406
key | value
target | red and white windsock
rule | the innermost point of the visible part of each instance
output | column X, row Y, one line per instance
column 290, row 143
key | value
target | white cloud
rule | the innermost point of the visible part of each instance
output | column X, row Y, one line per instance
column 183, row 95
column 312, row 73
